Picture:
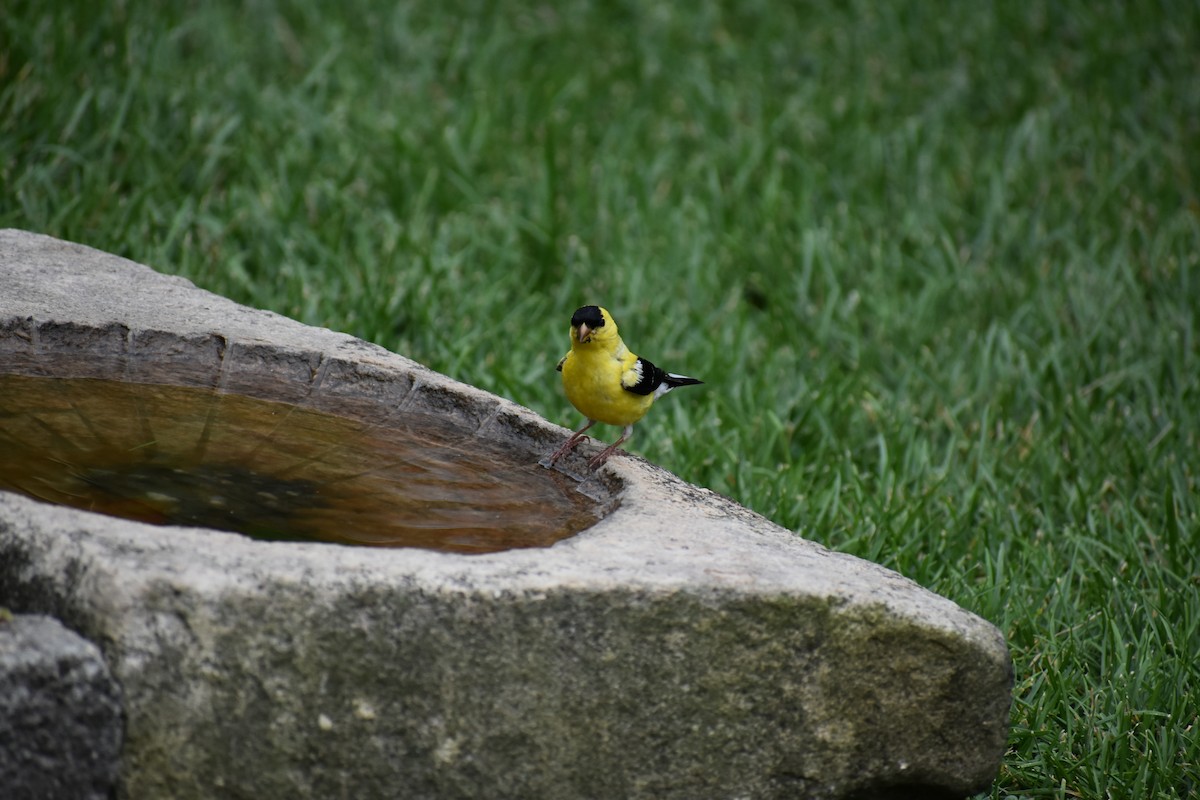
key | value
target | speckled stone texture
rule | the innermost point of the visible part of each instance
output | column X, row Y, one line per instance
column 682, row 647
column 60, row 713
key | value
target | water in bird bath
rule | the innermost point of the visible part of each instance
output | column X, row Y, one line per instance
column 186, row 456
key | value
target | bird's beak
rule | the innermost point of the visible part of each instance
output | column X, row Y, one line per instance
column 585, row 333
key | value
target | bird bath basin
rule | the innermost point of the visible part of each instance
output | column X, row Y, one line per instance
column 627, row 636
column 190, row 456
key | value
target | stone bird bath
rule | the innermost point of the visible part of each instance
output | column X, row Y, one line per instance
column 632, row 636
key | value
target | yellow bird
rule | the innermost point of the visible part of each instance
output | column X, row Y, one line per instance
column 606, row 382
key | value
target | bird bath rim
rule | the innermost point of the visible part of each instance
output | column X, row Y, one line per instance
column 360, row 390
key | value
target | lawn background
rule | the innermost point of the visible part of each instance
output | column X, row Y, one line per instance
column 938, row 263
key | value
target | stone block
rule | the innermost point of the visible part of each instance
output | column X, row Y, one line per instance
column 60, row 713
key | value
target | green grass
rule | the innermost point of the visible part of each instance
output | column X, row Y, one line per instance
column 939, row 264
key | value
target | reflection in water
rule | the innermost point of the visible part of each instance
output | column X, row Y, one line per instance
column 186, row 456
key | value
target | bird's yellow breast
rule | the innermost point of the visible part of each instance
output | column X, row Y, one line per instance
column 592, row 380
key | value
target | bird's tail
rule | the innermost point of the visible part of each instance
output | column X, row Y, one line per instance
column 673, row 380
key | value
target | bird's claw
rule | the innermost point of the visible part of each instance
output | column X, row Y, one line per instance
column 597, row 461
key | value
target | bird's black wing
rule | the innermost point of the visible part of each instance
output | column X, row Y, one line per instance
column 649, row 378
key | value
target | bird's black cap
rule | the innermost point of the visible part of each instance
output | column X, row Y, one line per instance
column 587, row 315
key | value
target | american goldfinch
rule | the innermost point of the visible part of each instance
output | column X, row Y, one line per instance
column 606, row 382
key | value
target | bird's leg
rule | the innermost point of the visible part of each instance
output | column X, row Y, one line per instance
column 600, row 458
column 569, row 444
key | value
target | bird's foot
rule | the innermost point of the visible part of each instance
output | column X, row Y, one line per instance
column 598, row 460
column 568, row 446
